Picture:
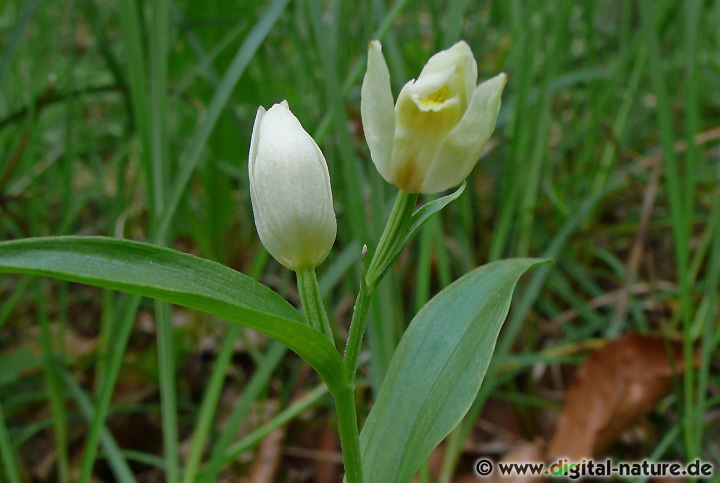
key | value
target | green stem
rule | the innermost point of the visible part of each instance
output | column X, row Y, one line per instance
column 312, row 303
column 348, row 429
column 357, row 329
column 394, row 231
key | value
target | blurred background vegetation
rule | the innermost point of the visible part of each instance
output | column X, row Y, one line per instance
column 132, row 119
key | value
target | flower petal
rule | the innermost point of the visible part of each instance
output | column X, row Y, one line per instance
column 419, row 132
column 458, row 59
column 461, row 149
column 377, row 110
column 431, row 93
column 254, row 143
column 254, row 139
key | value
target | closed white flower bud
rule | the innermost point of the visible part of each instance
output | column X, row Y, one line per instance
column 437, row 130
column 290, row 190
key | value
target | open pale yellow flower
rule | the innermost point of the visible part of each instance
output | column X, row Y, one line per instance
column 290, row 190
column 433, row 137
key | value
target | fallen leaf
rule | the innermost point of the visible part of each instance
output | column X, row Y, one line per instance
column 267, row 461
column 618, row 384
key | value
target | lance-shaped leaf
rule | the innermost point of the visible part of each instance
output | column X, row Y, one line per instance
column 417, row 220
column 178, row 278
column 437, row 370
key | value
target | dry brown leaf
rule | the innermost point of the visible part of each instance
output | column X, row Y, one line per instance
column 617, row 384
column 267, row 461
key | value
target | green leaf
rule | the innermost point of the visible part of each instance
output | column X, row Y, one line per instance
column 178, row 278
column 437, row 370
column 423, row 214
column 406, row 234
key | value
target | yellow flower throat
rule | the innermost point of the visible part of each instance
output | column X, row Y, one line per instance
column 436, row 98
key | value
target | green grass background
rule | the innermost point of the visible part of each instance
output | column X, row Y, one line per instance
column 133, row 119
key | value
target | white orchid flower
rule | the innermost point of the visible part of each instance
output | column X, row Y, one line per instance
column 431, row 139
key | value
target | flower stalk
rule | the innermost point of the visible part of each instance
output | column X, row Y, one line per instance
column 394, row 231
column 312, row 303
